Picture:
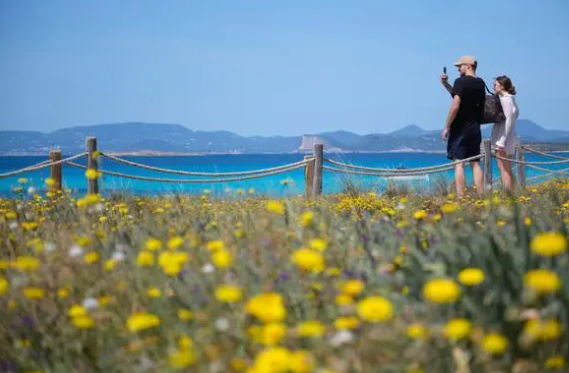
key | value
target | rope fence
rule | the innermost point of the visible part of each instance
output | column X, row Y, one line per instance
column 291, row 167
column 40, row 166
column 193, row 173
column 313, row 165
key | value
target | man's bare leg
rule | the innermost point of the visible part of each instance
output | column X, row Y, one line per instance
column 478, row 176
column 459, row 179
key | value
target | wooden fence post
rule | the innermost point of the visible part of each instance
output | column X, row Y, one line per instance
column 91, row 148
column 487, row 144
column 55, row 170
column 308, row 176
column 318, row 164
column 521, row 174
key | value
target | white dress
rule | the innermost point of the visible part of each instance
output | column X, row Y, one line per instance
column 504, row 133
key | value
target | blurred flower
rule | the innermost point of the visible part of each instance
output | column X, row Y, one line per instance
column 26, row 263
column 208, row 268
column 310, row 328
column 471, row 276
column 272, row 360
column 228, row 293
column 375, row 309
column 75, row 251
column 308, row 259
column 494, row 343
column 420, row 215
column 543, row 330
column 555, row 362
column 142, row 321
column 318, row 244
column 90, row 303
column 301, row 362
column 542, row 281
column 352, row 287
column 222, row 259
column 185, row 314
column 448, row 208
column 4, row 285
column 346, row 322
column 182, row 359
column 341, row 337
column 154, row 292
column 175, row 243
column 276, row 207
column 441, row 290
column 91, row 174
column 222, row 324
column 145, row 259
column 215, row 245
column 153, row 244
column 267, row 307
column 457, row 329
column 83, row 322
column 33, row 292
column 91, row 257
column 549, row 244
column 272, row 333
column 416, row 331
column 307, row 218
column 22, row 180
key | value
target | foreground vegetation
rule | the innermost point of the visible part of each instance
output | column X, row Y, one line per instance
column 353, row 282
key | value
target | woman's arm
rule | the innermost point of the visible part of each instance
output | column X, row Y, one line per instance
column 510, row 112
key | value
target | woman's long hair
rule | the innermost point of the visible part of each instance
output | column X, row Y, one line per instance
column 506, row 82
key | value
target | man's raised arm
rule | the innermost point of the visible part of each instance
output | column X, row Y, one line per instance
column 445, row 83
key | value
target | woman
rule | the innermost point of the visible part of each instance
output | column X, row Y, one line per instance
column 504, row 135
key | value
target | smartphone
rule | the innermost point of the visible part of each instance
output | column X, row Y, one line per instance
column 445, row 70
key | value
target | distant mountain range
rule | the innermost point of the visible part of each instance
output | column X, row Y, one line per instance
column 154, row 137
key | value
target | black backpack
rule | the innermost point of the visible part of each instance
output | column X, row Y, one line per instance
column 493, row 112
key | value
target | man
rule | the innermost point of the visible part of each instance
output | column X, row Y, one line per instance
column 462, row 129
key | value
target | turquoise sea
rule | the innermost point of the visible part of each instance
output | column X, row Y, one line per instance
column 74, row 178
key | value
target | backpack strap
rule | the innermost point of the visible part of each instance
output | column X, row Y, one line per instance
column 488, row 90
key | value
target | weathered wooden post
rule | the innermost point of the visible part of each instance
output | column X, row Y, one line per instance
column 308, row 175
column 487, row 146
column 318, row 168
column 55, row 170
column 521, row 174
column 91, row 148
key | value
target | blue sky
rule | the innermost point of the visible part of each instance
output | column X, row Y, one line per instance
column 262, row 67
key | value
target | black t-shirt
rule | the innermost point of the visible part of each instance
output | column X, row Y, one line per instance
column 472, row 96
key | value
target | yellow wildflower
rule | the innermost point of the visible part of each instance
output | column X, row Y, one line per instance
column 310, row 328
column 276, row 207
column 457, row 329
column 301, row 362
column 272, row 360
column 471, row 276
column 228, row 293
column 272, row 333
column 267, row 307
column 420, row 214
column 375, row 309
column 83, row 322
column 494, row 343
column 346, row 322
column 91, row 257
column 63, row 293
column 555, row 362
column 309, row 260
column 222, row 259
column 182, row 359
column 441, row 290
column 307, row 218
column 27, row 263
column 215, row 245
column 448, row 208
column 546, row 330
column 185, row 314
column 344, row 300
column 153, row 244
column 22, row 180
column 352, row 287
column 416, row 331
column 91, row 174
column 175, row 243
column 145, row 259
column 154, row 293
column 142, row 321
column 542, row 281
column 4, row 285
column 33, row 292
column 549, row 244
column 318, row 244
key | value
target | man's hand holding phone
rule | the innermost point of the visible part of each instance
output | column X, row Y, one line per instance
column 444, row 76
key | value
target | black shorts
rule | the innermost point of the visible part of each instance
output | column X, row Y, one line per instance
column 464, row 144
